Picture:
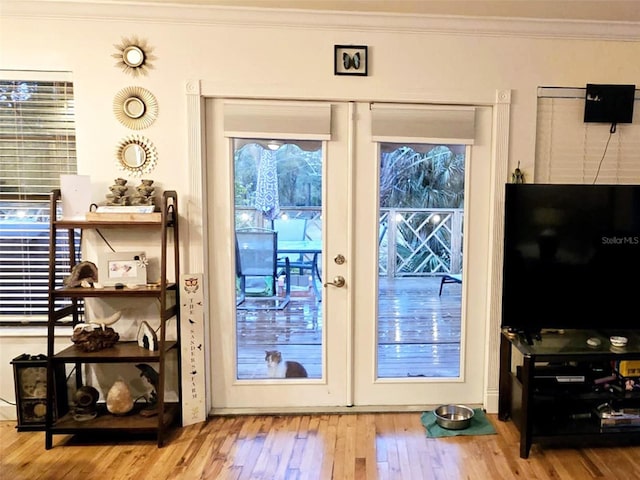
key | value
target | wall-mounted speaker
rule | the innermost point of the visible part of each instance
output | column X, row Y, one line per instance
column 609, row 103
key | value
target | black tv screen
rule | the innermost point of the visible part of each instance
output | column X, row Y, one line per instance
column 571, row 257
column 609, row 103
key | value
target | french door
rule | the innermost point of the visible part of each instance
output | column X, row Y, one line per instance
column 343, row 317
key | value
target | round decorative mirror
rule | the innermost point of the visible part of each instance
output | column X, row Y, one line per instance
column 135, row 107
column 133, row 155
column 134, row 56
column 136, row 155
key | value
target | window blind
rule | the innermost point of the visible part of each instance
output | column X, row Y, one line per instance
column 300, row 121
column 568, row 150
column 37, row 144
column 422, row 124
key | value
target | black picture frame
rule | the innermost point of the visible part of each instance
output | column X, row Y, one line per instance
column 351, row 60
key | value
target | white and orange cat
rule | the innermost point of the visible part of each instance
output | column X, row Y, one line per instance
column 277, row 368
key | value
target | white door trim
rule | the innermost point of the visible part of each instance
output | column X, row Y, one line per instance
column 196, row 215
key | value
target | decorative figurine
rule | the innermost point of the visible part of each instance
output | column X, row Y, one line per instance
column 92, row 338
column 85, row 399
column 144, row 194
column 118, row 191
column 110, row 320
column 151, row 377
column 146, row 337
column 82, row 274
column 119, row 399
column 518, row 175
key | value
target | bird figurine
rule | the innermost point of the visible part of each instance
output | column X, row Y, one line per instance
column 518, row 175
column 103, row 322
column 152, row 378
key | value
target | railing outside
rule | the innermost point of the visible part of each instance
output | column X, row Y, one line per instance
column 412, row 242
column 420, row 242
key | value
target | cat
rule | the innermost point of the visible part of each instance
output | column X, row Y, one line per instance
column 276, row 368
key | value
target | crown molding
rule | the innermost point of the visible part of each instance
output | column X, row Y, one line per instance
column 105, row 10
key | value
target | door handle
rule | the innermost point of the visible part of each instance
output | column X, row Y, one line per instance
column 338, row 281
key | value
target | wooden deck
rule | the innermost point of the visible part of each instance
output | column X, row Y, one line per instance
column 418, row 331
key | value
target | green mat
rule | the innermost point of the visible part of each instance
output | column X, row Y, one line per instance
column 480, row 425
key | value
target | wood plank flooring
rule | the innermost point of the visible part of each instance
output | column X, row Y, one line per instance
column 315, row 447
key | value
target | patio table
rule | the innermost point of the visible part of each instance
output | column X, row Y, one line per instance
column 305, row 247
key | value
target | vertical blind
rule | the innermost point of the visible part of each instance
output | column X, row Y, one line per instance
column 37, row 144
column 568, row 150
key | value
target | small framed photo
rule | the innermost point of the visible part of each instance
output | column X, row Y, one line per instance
column 128, row 268
column 351, row 60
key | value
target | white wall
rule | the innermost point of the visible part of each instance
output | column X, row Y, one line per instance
column 280, row 54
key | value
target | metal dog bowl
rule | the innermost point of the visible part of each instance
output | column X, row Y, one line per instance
column 453, row 417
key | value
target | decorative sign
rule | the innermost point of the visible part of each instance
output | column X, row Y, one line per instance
column 192, row 349
column 76, row 196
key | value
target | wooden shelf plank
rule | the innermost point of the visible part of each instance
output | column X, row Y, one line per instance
column 136, row 218
column 131, row 422
column 113, row 220
column 121, row 352
column 142, row 291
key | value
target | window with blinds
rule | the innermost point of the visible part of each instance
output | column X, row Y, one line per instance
column 37, row 145
column 568, row 150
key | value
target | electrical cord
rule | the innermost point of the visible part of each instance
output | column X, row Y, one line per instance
column 612, row 130
column 105, row 240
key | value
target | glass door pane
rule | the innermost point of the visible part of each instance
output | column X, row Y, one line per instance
column 420, row 231
column 278, row 242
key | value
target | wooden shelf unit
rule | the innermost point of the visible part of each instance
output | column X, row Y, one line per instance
column 165, row 226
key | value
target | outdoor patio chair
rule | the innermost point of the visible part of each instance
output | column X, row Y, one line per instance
column 450, row 278
column 294, row 229
column 258, row 271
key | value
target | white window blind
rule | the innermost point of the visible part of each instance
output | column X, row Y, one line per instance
column 568, row 150
column 422, row 124
column 300, row 121
column 37, row 144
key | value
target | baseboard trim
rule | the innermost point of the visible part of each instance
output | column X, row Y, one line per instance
column 325, row 410
column 8, row 412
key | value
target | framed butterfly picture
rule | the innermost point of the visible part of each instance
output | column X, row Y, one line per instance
column 351, row 60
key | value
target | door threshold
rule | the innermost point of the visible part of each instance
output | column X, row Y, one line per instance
column 325, row 410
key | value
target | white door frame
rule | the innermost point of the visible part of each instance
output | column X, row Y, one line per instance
column 420, row 392
column 274, row 394
column 195, row 237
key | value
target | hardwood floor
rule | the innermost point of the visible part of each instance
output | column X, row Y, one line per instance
column 341, row 446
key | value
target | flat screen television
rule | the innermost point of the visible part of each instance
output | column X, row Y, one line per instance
column 571, row 257
column 609, row 103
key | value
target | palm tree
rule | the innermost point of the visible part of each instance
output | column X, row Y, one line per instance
column 410, row 179
column 416, row 177
column 411, row 176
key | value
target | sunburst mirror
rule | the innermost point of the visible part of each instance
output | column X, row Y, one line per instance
column 134, row 56
column 135, row 107
column 136, row 155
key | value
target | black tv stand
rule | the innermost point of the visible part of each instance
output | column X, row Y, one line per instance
column 529, row 339
column 563, row 410
column 528, row 336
